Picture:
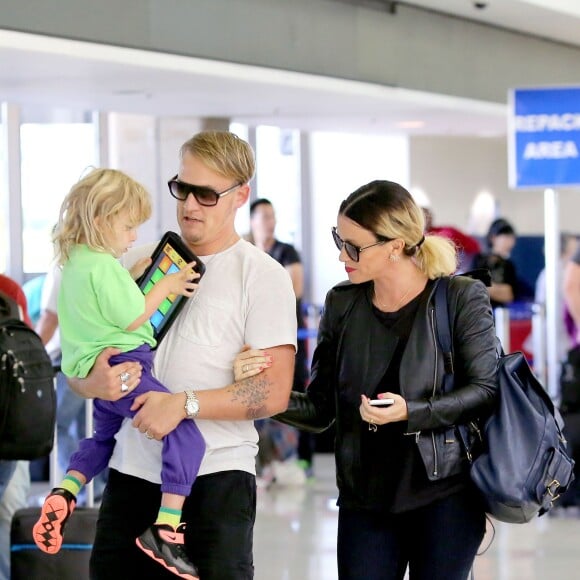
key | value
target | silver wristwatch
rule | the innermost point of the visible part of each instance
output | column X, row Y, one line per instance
column 191, row 404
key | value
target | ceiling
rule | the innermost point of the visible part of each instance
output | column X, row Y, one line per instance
column 554, row 19
column 69, row 74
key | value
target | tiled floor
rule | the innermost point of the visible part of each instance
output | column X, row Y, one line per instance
column 296, row 532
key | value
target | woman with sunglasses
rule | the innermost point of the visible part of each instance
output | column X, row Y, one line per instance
column 405, row 496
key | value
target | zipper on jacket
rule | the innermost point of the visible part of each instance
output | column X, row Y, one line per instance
column 435, row 458
column 417, row 434
column 436, row 350
column 435, row 466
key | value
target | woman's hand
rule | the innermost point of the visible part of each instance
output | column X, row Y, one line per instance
column 158, row 413
column 383, row 415
column 250, row 362
column 106, row 382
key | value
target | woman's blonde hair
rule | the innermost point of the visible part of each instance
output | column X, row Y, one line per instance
column 223, row 152
column 88, row 211
column 388, row 210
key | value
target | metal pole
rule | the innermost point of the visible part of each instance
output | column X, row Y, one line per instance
column 502, row 327
column 10, row 141
column 90, row 489
column 539, row 342
column 553, row 300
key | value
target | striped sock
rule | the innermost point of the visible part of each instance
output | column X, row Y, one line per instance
column 169, row 516
column 71, row 484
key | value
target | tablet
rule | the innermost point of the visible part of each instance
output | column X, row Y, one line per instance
column 170, row 256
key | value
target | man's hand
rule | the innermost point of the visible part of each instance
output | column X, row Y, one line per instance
column 158, row 413
column 139, row 267
column 104, row 381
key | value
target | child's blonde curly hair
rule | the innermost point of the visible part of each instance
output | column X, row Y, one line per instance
column 87, row 212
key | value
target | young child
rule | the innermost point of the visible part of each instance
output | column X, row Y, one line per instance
column 100, row 305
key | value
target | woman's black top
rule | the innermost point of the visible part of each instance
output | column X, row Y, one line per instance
column 394, row 476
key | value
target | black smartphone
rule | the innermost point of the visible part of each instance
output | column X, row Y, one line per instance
column 170, row 256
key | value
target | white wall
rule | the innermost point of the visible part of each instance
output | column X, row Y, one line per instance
column 340, row 164
column 148, row 149
column 133, row 149
column 453, row 170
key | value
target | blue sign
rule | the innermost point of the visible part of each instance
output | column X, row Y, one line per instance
column 544, row 137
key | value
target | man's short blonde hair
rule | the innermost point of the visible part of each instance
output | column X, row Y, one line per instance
column 223, row 152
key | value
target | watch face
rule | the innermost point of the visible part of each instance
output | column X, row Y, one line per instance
column 191, row 406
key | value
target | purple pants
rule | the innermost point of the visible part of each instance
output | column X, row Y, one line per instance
column 183, row 448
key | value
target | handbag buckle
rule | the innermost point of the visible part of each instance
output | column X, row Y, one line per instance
column 555, row 484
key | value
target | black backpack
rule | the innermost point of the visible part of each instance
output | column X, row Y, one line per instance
column 522, row 466
column 27, row 395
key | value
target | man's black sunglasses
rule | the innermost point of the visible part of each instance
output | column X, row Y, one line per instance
column 352, row 251
column 203, row 195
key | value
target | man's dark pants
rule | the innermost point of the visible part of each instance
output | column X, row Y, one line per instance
column 220, row 514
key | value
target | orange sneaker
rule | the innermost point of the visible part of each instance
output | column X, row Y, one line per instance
column 56, row 510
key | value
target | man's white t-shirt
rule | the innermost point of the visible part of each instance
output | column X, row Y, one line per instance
column 245, row 297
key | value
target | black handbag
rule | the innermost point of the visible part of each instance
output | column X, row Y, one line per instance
column 524, row 465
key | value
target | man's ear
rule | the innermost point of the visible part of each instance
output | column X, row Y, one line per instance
column 242, row 195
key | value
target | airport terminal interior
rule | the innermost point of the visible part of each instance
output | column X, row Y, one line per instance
column 330, row 94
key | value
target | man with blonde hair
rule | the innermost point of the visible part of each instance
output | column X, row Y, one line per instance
column 245, row 297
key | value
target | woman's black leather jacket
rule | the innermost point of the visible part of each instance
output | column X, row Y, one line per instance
column 353, row 354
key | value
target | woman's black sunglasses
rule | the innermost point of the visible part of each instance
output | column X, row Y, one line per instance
column 352, row 251
column 203, row 195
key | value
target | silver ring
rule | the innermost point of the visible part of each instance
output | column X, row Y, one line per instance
column 125, row 377
column 124, row 388
column 245, row 368
column 148, row 435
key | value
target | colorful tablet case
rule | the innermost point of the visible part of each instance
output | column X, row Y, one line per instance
column 170, row 256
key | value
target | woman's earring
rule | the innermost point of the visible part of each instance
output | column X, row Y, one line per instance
column 394, row 258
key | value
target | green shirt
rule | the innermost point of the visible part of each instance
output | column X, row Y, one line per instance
column 97, row 301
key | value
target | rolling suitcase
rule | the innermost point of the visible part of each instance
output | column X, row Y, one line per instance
column 28, row 562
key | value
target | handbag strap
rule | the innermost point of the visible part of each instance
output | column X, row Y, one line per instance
column 443, row 331
column 443, row 334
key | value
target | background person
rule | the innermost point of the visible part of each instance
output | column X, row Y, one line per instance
column 568, row 247
column 500, row 239
column 14, row 475
column 570, row 395
column 405, row 495
column 244, row 297
column 277, row 440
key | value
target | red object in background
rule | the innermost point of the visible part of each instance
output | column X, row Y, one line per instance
column 519, row 332
column 466, row 243
column 13, row 290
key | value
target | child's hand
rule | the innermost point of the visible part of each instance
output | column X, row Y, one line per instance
column 182, row 282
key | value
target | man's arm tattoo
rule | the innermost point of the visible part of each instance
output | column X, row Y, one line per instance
column 252, row 393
